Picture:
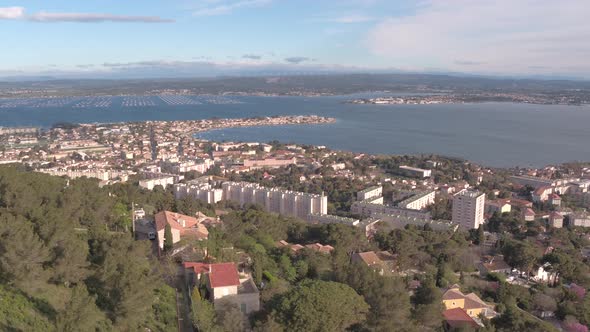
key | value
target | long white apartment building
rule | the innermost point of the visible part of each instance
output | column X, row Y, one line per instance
column 103, row 175
column 372, row 210
column 369, row 193
column 468, row 208
column 537, row 182
column 415, row 171
column 151, row 183
column 200, row 166
column 418, row 201
column 285, row 202
column 198, row 190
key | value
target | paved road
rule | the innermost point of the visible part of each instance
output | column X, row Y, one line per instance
column 182, row 307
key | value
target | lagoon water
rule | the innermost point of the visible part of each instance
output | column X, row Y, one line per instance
column 494, row 134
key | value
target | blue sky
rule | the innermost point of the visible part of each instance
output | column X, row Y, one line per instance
column 208, row 37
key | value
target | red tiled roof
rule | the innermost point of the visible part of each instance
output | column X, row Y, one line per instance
column 199, row 268
column 457, row 317
column 223, row 275
column 541, row 190
column 175, row 220
column 370, row 258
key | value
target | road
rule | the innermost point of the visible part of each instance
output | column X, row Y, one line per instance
column 182, row 306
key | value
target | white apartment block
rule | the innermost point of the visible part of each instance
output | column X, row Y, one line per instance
column 200, row 166
column 415, row 171
column 163, row 181
column 285, row 202
column 418, row 201
column 366, row 209
column 201, row 191
column 468, row 208
column 537, row 182
column 102, row 175
column 332, row 219
column 371, row 192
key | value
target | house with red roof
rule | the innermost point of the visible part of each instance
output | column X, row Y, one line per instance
column 223, row 285
column 381, row 261
column 528, row 214
column 555, row 199
column 181, row 226
column 325, row 249
column 541, row 194
column 457, row 318
column 470, row 303
column 556, row 219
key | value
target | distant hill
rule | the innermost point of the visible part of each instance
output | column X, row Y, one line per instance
column 288, row 85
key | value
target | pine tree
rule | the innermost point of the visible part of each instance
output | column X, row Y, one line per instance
column 168, row 242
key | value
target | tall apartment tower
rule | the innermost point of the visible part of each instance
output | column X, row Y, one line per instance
column 468, row 208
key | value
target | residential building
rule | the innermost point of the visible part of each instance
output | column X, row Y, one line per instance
column 471, row 303
column 535, row 182
column 180, row 225
column 418, row 201
column 198, row 190
column 269, row 162
column 546, row 274
column 285, row 202
column 326, row 249
column 541, row 194
column 579, row 220
column 556, row 219
column 382, row 261
column 528, row 214
column 332, row 219
column 457, row 319
column 499, row 205
column 224, row 285
column 468, row 208
column 415, row 171
column 163, row 181
column 493, row 264
column 555, row 199
column 369, row 193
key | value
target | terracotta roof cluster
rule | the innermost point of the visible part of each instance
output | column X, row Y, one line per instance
column 314, row 246
column 457, row 318
column 185, row 224
column 495, row 263
column 220, row 274
column 472, row 301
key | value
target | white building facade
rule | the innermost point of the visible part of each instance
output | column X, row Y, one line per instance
column 468, row 208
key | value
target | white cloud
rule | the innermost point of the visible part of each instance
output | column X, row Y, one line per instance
column 18, row 13
column 214, row 8
column 11, row 13
column 93, row 18
column 501, row 36
column 355, row 18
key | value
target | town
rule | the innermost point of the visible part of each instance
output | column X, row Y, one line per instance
column 468, row 245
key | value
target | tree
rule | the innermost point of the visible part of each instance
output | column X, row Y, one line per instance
column 203, row 314
column 519, row 254
column 321, row 306
column 125, row 289
column 22, row 253
column 428, row 305
column 81, row 313
column 480, row 238
column 168, row 240
column 230, row 317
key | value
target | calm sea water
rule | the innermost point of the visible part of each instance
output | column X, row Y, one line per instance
column 494, row 134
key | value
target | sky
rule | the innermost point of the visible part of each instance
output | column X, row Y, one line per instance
column 170, row 38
